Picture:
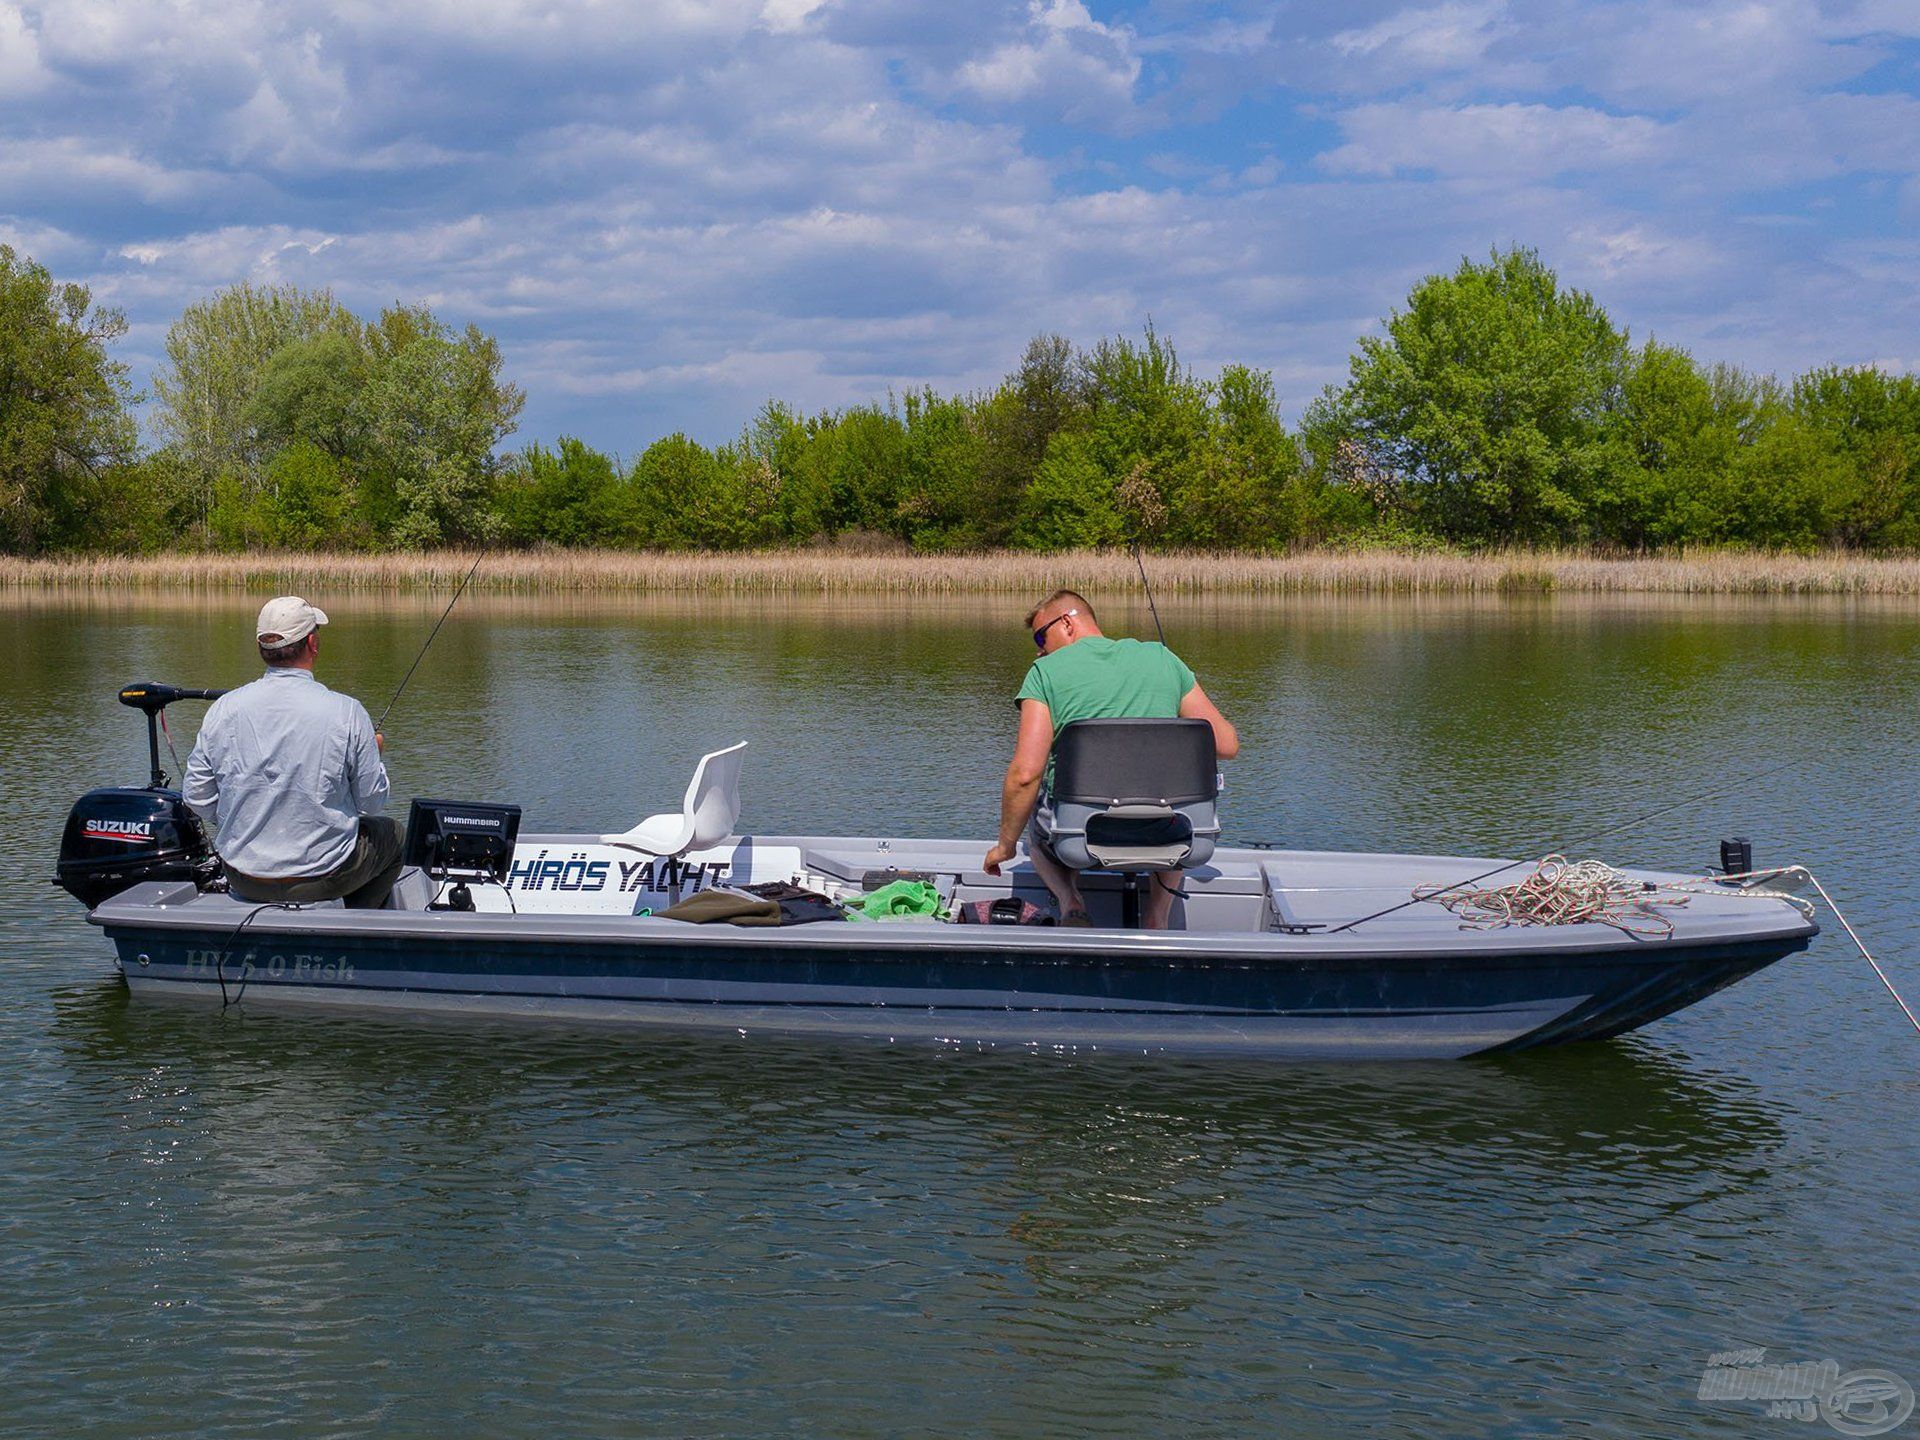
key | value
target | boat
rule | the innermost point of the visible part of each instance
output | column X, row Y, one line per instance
column 1295, row 954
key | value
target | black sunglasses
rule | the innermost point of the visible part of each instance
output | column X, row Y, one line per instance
column 1040, row 635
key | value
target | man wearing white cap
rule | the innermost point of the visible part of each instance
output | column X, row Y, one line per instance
column 288, row 773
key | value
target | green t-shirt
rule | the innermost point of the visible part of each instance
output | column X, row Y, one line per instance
column 1102, row 679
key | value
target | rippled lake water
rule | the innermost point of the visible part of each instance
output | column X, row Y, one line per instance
column 256, row 1225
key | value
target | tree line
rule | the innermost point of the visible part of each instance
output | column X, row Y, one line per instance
column 1496, row 407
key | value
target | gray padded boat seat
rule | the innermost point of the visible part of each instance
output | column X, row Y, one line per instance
column 1132, row 795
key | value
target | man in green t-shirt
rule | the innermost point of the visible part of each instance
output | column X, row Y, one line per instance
column 1083, row 675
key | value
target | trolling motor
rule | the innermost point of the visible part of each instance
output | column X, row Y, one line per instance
column 118, row 837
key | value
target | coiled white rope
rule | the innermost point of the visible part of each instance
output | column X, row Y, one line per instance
column 1560, row 892
column 1563, row 892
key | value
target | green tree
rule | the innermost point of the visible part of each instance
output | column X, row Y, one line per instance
column 63, row 404
column 307, row 502
column 1246, row 493
column 1016, row 425
column 1072, row 502
column 1872, row 420
column 1184, row 462
column 572, row 495
column 309, row 389
column 217, row 352
column 1779, row 493
column 848, row 475
column 1671, row 438
column 772, row 447
column 1487, row 397
column 740, row 507
column 675, row 481
column 942, row 503
column 432, row 410
column 1146, row 423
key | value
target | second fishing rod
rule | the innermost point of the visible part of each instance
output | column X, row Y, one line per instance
column 400, row 689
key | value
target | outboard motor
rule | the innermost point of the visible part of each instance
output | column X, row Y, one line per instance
column 121, row 836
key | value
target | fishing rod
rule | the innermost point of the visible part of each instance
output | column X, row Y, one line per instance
column 1147, row 585
column 1681, row 804
column 381, row 724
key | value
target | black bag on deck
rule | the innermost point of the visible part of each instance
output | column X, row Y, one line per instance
column 1007, row 910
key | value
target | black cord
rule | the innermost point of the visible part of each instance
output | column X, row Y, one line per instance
column 226, row 954
column 441, row 889
column 382, row 723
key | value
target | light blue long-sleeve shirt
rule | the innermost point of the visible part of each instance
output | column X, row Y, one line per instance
column 283, row 770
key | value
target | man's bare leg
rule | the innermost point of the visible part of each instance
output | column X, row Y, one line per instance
column 1064, row 884
column 1160, row 894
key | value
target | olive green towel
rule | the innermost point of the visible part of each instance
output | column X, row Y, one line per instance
column 710, row 907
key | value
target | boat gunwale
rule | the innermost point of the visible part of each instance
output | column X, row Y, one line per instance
column 1414, row 935
column 977, row 944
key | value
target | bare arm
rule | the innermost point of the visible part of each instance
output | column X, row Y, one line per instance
column 1022, row 786
column 1196, row 706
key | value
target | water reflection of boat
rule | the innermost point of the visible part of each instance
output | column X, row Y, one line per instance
column 1611, row 1113
column 1095, row 1216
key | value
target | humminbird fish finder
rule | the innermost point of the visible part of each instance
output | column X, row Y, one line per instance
column 462, row 841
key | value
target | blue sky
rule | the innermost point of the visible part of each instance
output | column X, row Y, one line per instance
column 672, row 212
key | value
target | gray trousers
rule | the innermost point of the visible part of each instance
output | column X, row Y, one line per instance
column 364, row 881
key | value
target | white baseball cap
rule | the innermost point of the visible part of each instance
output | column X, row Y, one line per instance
column 286, row 620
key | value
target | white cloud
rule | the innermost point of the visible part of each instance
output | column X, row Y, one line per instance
column 21, row 73
column 1065, row 61
column 1446, row 37
column 669, row 214
column 1640, row 254
column 48, row 244
column 46, row 169
column 784, row 16
column 1766, row 52
column 1508, row 141
column 544, row 29
column 1875, row 17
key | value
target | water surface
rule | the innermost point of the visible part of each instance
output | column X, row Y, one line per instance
column 259, row 1225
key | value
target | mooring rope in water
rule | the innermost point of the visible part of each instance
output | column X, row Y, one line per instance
column 1858, row 944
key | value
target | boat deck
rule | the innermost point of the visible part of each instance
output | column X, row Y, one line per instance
column 1247, row 900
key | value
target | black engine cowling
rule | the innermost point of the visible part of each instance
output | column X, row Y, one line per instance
column 119, row 837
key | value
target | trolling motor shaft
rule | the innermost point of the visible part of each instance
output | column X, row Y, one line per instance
column 150, row 698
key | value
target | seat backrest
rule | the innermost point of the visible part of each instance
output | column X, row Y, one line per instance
column 713, row 796
column 1132, row 762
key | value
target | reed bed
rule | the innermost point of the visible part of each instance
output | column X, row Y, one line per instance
column 821, row 572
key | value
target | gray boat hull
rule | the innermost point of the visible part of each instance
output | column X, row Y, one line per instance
column 1410, row 986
